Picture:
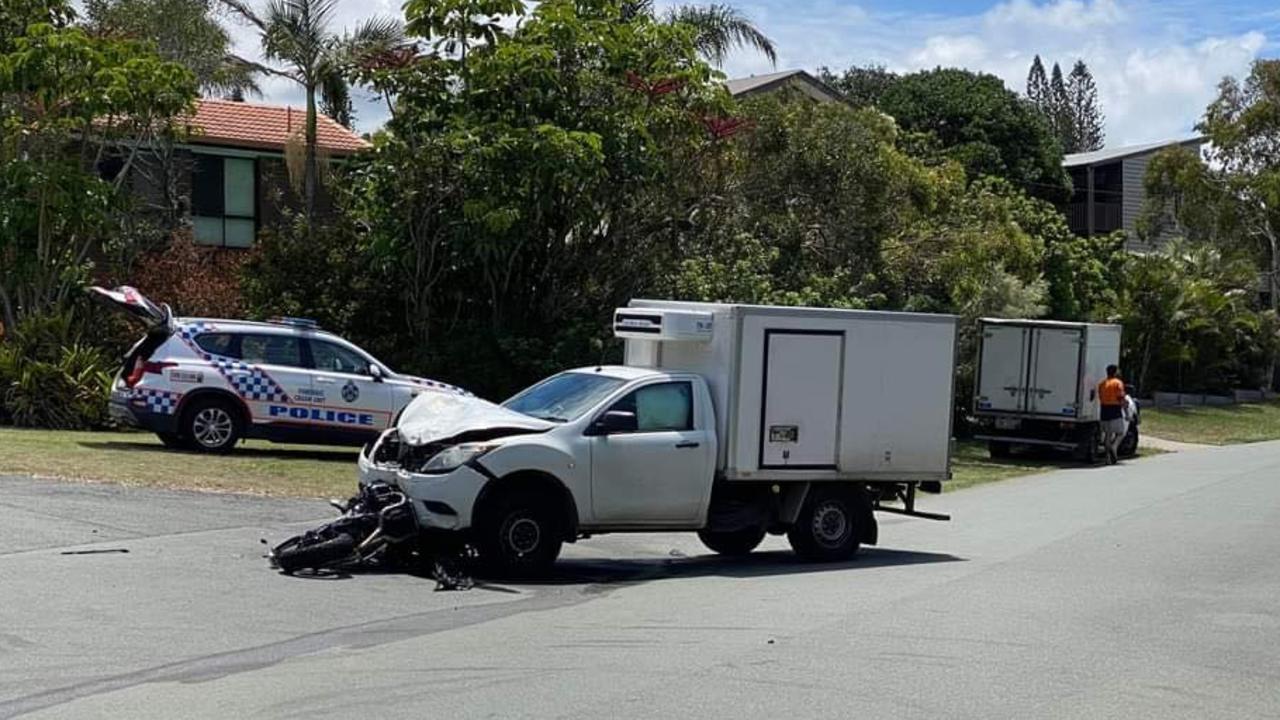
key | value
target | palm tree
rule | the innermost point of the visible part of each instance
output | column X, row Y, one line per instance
column 296, row 34
column 720, row 28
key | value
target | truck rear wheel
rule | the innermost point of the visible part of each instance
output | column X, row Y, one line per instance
column 733, row 543
column 828, row 528
column 520, row 537
column 998, row 449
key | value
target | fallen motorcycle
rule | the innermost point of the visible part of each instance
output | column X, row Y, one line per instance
column 377, row 527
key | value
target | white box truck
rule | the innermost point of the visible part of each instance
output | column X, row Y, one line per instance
column 1036, row 383
column 729, row 420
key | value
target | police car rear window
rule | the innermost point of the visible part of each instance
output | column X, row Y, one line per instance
column 219, row 344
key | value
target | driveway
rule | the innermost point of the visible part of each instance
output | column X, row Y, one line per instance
column 1147, row 589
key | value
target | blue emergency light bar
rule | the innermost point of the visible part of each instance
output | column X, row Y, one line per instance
column 306, row 323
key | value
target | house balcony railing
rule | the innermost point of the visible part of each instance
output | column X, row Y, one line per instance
column 1106, row 218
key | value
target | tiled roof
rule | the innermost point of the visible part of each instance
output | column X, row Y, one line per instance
column 265, row 127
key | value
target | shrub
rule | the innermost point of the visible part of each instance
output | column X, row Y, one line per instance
column 49, row 379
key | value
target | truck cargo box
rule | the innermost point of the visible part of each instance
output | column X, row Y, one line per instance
column 807, row 393
column 1042, row 368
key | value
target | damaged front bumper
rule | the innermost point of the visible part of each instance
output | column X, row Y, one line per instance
column 442, row 501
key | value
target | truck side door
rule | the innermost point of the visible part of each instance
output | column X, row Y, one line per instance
column 659, row 471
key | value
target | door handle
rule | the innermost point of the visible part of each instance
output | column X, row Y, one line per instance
column 326, row 381
column 682, row 445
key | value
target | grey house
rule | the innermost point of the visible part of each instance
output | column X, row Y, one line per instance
column 794, row 80
column 1108, row 191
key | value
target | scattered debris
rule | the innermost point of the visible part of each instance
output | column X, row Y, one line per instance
column 101, row 551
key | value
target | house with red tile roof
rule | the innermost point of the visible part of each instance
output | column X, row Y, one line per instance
column 229, row 173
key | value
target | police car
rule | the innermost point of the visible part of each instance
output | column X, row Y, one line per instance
column 204, row 384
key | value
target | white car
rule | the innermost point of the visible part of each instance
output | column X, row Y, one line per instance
column 205, row 383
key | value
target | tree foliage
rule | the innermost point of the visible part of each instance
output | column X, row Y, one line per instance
column 183, row 31
column 1084, row 131
column 861, row 86
column 76, row 112
column 1069, row 105
column 982, row 125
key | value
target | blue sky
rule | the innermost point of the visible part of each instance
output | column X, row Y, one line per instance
column 1156, row 63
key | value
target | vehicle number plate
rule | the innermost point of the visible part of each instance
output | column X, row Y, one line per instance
column 1007, row 423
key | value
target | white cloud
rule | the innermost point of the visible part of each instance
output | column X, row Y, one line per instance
column 1157, row 66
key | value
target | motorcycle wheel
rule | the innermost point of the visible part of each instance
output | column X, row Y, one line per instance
column 303, row 552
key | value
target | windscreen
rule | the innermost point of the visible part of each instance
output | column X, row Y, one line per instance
column 563, row 397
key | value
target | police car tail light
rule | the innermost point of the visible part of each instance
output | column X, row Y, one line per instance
column 141, row 367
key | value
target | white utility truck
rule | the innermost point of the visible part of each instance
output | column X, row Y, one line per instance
column 1036, row 383
column 730, row 420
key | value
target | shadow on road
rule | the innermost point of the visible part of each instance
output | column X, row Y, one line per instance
column 346, row 455
column 612, row 572
column 576, row 571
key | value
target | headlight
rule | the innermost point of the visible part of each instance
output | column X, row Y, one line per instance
column 453, row 457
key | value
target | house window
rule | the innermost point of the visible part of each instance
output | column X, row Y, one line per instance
column 223, row 193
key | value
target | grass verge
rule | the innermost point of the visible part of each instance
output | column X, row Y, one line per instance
column 1225, row 425
column 972, row 465
column 261, row 468
column 133, row 458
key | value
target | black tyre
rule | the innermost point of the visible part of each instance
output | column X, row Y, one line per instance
column 734, row 543
column 173, row 441
column 212, row 425
column 1129, row 444
column 1087, row 450
column 520, row 537
column 312, row 553
column 998, row 449
column 829, row 527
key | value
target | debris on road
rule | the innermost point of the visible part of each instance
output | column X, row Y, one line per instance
column 101, row 551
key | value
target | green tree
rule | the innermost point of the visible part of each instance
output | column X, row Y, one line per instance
column 1037, row 84
column 1083, row 113
column 861, row 86
column 720, row 28
column 75, row 113
column 1243, row 128
column 516, row 208
column 984, row 126
column 1057, row 108
column 183, row 31
column 298, row 34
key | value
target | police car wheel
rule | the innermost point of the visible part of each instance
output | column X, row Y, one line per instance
column 212, row 425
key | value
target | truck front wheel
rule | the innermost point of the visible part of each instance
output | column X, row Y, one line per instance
column 828, row 526
column 734, row 543
column 521, row 537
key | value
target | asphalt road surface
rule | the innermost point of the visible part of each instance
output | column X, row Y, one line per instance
column 1147, row 590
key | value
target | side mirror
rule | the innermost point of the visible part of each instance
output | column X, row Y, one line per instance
column 375, row 372
column 614, row 421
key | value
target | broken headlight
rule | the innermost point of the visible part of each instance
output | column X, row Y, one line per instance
column 455, row 456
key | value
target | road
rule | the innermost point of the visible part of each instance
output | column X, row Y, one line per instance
column 1146, row 590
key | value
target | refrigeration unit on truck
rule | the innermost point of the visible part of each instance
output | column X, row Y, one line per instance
column 734, row 421
column 1036, row 383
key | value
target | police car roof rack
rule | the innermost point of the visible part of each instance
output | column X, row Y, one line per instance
column 298, row 322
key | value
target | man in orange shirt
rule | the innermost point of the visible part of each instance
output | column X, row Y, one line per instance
column 1111, row 398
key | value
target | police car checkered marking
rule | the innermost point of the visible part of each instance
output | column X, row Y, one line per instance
column 249, row 381
column 161, row 402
